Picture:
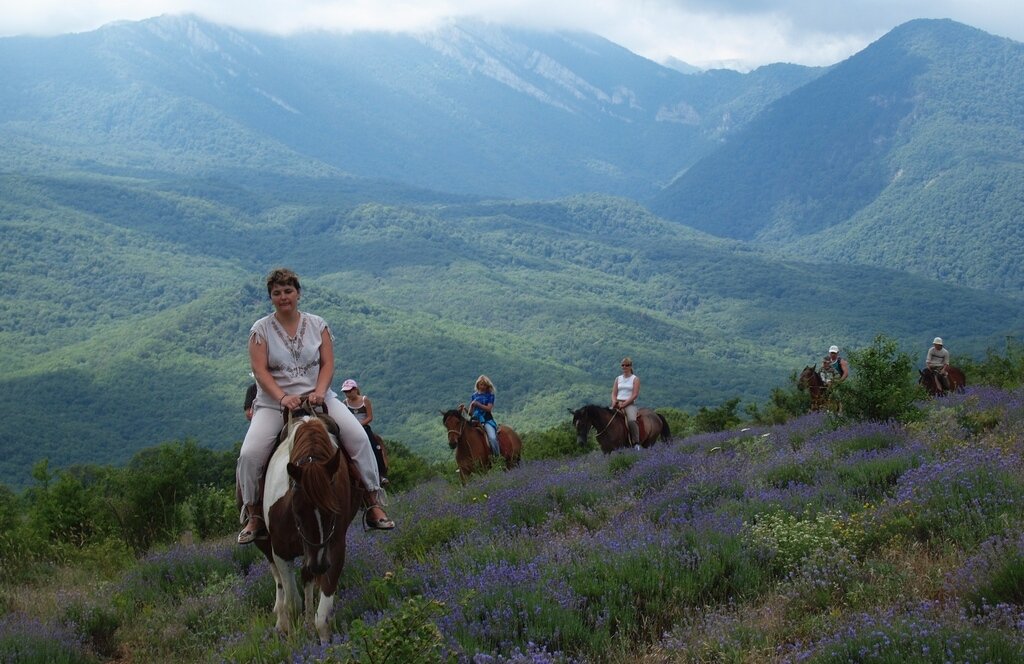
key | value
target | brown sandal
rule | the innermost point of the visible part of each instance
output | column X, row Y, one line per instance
column 379, row 523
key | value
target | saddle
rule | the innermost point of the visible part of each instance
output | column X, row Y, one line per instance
column 306, row 409
column 641, row 429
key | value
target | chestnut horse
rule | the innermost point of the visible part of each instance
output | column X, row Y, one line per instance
column 930, row 381
column 811, row 381
column 472, row 450
column 612, row 429
column 309, row 500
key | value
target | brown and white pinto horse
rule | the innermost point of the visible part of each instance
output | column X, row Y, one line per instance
column 612, row 430
column 472, row 450
column 930, row 381
column 309, row 500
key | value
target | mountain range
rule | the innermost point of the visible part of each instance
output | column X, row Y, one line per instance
column 473, row 201
column 910, row 154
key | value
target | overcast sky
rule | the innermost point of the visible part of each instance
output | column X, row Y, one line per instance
column 739, row 34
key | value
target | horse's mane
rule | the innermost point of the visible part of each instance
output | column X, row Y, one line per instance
column 452, row 412
column 594, row 409
column 311, row 450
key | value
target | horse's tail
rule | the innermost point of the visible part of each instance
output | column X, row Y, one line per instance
column 665, row 432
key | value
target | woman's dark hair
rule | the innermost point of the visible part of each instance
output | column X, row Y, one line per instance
column 282, row 276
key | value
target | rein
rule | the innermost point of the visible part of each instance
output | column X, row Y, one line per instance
column 611, row 421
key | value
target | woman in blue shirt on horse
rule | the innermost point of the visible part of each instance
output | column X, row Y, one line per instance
column 481, row 407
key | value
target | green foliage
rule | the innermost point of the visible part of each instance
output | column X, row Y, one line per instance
column 790, row 540
column 874, row 479
column 97, row 622
column 407, row 635
column 209, row 511
column 555, row 442
column 172, row 575
column 680, row 423
column 881, row 386
column 407, row 469
column 719, row 418
column 416, row 540
column 905, row 640
column 1005, row 371
column 1003, row 583
column 783, row 404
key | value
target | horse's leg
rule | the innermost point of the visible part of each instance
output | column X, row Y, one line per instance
column 309, row 588
column 278, row 594
column 289, row 610
column 323, row 612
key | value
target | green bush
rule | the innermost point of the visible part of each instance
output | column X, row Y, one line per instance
column 408, row 635
column 881, row 386
column 407, row 469
column 721, row 418
column 557, row 442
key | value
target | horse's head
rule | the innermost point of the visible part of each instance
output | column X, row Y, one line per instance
column 455, row 423
column 581, row 422
column 313, row 466
column 806, row 377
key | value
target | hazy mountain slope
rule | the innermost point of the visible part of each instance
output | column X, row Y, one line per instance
column 135, row 332
column 469, row 108
column 907, row 147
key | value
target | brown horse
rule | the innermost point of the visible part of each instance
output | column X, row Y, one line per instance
column 309, row 500
column 811, row 381
column 472, row 451
column 612, row 430
column 930, row 381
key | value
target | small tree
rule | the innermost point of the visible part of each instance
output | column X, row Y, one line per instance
column 722, row 418
column 881, row 385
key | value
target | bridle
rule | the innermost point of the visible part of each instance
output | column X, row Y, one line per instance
column 298, row 522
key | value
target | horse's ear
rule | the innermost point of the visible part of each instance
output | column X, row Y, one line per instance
column 335, row 461
column 294, row 471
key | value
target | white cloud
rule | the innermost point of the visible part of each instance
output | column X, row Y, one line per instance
column 736, row 33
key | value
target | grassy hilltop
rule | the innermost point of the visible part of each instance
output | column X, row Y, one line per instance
column 812, row 540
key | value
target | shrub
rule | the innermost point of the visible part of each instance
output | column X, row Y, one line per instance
column 407, row 635
column 720, row 418
column 789, row 540
column 881, row 386
column 963, row 500
column 209, row 512
column 407, row 469
column 30, row 640
column 554, row 443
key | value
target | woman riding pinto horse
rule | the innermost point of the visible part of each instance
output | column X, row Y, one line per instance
column 310, row 497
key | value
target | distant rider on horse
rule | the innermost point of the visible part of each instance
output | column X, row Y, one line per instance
column 625, row 391
column 834, row 368
column 937, row 361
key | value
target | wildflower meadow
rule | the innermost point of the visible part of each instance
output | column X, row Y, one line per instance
column 816, row 540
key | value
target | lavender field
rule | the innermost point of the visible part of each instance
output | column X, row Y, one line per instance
column 802, row 542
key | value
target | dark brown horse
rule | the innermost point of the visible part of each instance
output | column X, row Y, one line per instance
column 930, row 381
column 309, row 500
column 811, row 381
column 472, row 451
column 612, row 430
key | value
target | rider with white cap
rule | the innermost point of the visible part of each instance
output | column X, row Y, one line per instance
column 833, row 367
column 938, row 361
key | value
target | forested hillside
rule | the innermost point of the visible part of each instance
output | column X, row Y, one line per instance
column 908, row 155
column 470, row 108
column 129, row 302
